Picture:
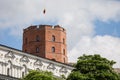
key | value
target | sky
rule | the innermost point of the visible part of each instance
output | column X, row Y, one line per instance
column 93, row 26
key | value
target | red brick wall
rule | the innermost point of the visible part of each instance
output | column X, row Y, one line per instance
column 45, row 44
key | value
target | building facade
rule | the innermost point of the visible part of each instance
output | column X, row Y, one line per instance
column 46, row 41
column 44, row 48
column 15, row 64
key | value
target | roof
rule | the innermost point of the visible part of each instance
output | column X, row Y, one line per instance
column 34, row 55
column 117, row 70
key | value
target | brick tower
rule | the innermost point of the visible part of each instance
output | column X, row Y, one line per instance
column 46, row 41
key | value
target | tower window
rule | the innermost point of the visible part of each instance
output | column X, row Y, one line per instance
column 64, row 51
column 63, row 41
column 53, row 59
column 53, row 38
column 37, row 38
column 37, row 50
column 53, row 49
column 64, row 60
column 25, row 50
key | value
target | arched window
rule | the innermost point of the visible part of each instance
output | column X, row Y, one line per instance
column 53, row 59
column 23, row 74
column 64, row 51
column 25, row 50
column 53, row 49
column 63, row 41
column 37, row 50
column 37, row 38
column 64, row 60
column 53, row 38
column 8, row 71
column 37, row 69
column 25, row 70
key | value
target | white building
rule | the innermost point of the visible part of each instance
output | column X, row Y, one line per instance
column 14, row 64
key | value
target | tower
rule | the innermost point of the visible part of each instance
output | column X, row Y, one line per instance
column 46, row 41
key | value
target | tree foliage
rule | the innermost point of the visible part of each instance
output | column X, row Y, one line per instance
column 93, row 67
column 39, row 75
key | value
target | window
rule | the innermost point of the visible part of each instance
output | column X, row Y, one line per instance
column 53, row 38
column 37, row 69
column 37, row 49
column 23, row 74
column 53, row 49
column 64, row 60
column 64, row 51
column 37, row 38
column 53, row 59
column 8, row 71
column 63, row 41
column 25, row 50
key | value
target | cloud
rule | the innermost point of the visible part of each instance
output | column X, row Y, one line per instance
column 77, row 16
column 106, row 46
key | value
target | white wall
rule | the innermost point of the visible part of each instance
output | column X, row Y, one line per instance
column 16, row 63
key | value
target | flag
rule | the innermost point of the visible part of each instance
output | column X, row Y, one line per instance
column 44, row 11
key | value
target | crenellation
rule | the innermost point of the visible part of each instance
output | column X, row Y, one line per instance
column 48, row 27
column 30, row 28
column 38, row 27
column 57, row 27
column 41, row 26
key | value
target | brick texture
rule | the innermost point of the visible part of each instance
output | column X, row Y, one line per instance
column 46, row 41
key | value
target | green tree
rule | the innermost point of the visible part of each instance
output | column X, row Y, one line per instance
column 39, row 75
column 93, row 67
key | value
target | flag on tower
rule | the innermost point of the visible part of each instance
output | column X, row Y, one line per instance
column 44, row 11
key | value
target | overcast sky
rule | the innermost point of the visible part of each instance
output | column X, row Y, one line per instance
column 93, row 26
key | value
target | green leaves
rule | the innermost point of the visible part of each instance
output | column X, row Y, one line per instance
column 76, row 75
column 39, row 75
column 93, row 67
